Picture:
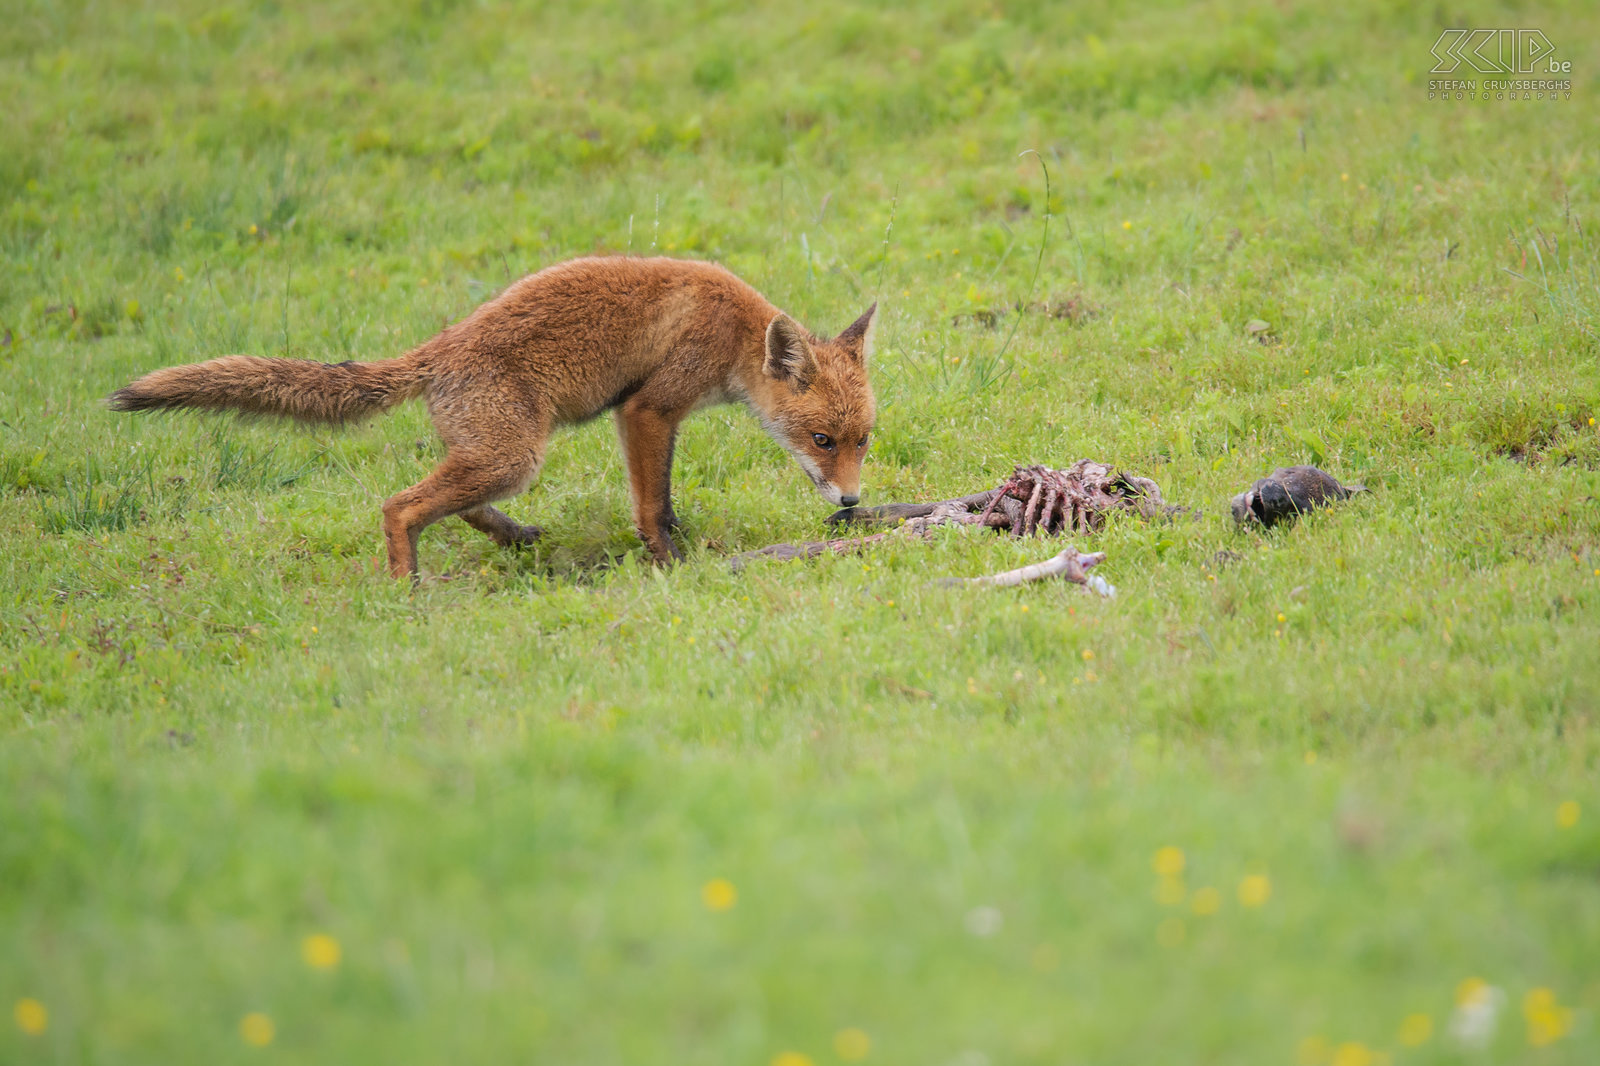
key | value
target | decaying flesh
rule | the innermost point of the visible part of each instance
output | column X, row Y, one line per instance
column 1076, row 499
column 1036, row 499
column 1287, row 493
column 1033, row 500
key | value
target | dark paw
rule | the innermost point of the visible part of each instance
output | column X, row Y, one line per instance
column 520, row 536
column 663, row 550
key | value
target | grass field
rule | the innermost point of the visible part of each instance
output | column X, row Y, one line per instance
column 1332, row 798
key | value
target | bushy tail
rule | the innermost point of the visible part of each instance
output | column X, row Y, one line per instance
column 329, row 393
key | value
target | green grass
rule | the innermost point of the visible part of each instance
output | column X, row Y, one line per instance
column 222, row 731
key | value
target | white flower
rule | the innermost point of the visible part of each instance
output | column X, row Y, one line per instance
column 1477, row 1011
column 984, row 921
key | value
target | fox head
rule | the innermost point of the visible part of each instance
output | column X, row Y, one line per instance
column 816, row 402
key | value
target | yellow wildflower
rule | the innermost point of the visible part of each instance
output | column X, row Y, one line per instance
column 1567, row 814
column 1313, row 1051
column 1352, row 1054
column 1254, row 890
column 719, row 894
column 321, row 951
column 1206, row 901
column 1416, row 1030
column 1547, row 1020
column 32, row 1016
column 851, row 1044
column 256, row 1030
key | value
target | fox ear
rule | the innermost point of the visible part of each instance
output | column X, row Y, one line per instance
column 789, row 355
column 858, row 337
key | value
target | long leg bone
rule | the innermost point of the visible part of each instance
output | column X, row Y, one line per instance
column 1070, row 564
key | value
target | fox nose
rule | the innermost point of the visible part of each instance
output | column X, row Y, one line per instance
column 849, row 501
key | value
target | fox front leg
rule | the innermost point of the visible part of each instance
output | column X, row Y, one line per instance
column 647, row 439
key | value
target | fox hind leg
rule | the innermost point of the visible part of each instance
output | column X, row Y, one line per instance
column 501, row 527
column 464, row 482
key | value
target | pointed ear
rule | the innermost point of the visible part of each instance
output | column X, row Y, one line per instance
column 858, row 337
column 789, row 355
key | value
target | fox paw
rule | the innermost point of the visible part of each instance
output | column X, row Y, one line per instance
column 519, row 536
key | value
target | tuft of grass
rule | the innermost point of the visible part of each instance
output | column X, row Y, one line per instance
column 237, row 464
column 1564, row 270
column 93, row 502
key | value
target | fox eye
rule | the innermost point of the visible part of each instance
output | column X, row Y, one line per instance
column 823, row 441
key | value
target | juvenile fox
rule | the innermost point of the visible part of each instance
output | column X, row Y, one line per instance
column 651, row 339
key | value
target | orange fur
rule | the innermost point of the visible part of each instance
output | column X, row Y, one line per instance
column 651, row 339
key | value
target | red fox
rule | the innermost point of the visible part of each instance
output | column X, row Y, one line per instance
column 652, row 339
